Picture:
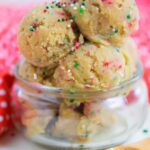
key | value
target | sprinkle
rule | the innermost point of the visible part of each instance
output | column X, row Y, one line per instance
column 73, row 17
column 69, row 25
column 106, row 64
column 47, row 7
column 129, row 16
column 76, row 65
column 71, row 100
column 145, row 131
column 108, row 1
column 62, row 19
column 67, row 18
column 45, row 11
column 129, row 25
column 52, row 6
column 115, row 30
column 31, row 29
column 72, row 91
column 76, row 44
column 81, row 11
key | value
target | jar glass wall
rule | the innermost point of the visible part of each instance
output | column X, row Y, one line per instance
column 87, row 119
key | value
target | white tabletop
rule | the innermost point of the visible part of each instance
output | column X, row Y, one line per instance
column 18, row 142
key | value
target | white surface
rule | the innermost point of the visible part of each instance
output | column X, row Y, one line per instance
column 18, row 142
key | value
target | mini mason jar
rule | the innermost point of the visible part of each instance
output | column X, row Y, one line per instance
column 64, row 119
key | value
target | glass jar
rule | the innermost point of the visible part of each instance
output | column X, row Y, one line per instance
column 79, row 120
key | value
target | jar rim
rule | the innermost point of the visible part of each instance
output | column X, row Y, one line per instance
column 37, row 86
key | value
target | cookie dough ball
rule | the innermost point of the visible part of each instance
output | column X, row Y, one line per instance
column 79, row 127
column 46, row 35
column 35, row 74
column 36, row 121
column 109, row 20
column 67, row 118
column 91, row 67
column 102, row 116
column 130, row 52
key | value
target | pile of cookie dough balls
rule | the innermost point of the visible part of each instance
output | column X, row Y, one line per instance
column 79, row 45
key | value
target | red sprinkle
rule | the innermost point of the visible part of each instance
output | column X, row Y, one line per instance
column 76, row 44
column 106, row 64
column 130, row 25
column 108, row 1
column 45, row 11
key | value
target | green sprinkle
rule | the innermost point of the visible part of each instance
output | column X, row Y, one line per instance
column 76, row 65
column 52, row 6
column 145, row 131
column 58, row 20
column 31, row 29
column 62, row 19
column 116, row 31
column 73, row 17
column 81, row 11
column 47, row 7
column 72, row 91
column 58, row 5
column 129, row 16
column 71, row 100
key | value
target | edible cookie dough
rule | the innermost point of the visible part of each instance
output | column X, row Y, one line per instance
column 35, row 74
column 46, row 35
column 79, row 127
column 36, row 121
column 84, row 124
column 129, row 50
column 109, row 20
column 129, row 46
column 91, row 67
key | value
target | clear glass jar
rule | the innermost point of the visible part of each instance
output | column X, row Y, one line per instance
column 79, row 120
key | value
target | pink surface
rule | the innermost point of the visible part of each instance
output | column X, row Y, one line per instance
column 10, row 18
